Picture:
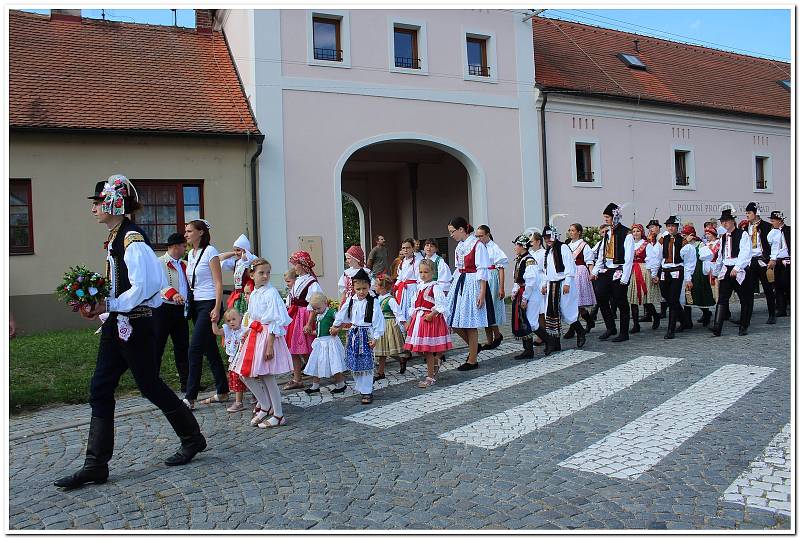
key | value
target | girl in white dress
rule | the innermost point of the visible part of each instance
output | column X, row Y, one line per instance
column 327, row 354
column 583, row 255
column 466, row 309
column 264, row 354
column 496, row 312
column 405, row 287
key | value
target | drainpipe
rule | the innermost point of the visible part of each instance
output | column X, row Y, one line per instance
column 543, row 130
column 254, row 191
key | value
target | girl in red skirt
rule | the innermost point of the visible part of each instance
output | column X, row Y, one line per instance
column 427, row 330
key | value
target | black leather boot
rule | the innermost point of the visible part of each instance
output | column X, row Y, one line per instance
column 648, row 314
column 99, row 449
column 187, row 429
column 744, row 318
column 656, row 317
column 624, row 320
column 719, row 320
column 705, row 319
column 577, row 328
column 607, row 334
column 570, row 333
column 780, row 305
column 673, row 320
column 590, row 320
column 527, row 349
column 546, row 339
column 687, row 317
column 664, row 306
column 635, row 319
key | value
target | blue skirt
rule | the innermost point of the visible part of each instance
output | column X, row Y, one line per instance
column 358, row 353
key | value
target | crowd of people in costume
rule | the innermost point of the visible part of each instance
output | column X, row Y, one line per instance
column 631, row 275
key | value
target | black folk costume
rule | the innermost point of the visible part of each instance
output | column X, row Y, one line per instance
column 780, row 240
column 527, row 279
column 127, row 342
column 734, row 253
column 677, row 262
column 759, row 259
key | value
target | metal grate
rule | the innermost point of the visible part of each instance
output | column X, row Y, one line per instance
column 407, row 63
column 333, row 55
column 479, row 70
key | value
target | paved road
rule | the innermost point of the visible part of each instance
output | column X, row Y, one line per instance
column 650, row 434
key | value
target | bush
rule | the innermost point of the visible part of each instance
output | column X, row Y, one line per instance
column 591, row 235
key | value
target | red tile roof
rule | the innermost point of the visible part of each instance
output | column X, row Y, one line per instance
column 105, row 75
column 581, row 58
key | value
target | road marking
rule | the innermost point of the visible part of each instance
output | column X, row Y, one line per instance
column 502, row 428
column 642, row 443
column 437, row 400
column 767, row 482
column 413, row 372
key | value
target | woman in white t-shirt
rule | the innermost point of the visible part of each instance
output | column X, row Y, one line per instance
column 204, row 274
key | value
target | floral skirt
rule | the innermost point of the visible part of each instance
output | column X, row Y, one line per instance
column 583, row 286
column 299, row 343
column 462, row 309
column 358, row 355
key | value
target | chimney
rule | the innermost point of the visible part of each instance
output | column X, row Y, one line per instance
column 204, row 20
column 72, row 15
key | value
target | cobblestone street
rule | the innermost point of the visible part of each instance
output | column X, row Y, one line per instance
column 650, row 434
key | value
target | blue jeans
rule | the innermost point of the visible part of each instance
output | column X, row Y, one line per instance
column 204, row 342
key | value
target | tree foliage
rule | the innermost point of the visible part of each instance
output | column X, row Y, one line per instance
column 350, row 223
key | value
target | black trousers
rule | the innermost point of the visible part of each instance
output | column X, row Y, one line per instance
column 169, row 321
column 756, row 273
column 609, row 291
column 783, row 280
column 672, row 286
column 116, row 356
column 204, row 342
column 727, row 286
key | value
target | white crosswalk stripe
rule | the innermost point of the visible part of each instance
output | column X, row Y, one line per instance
column 767, row 482
column 644, row 442
column 393, row 414
column 414, row 372
column 502, row 428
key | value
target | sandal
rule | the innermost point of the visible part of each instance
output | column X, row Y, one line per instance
column 366, row 399
column 294, row 385
column 215, row 399
column 379, row 376
column 269, row 424
column 259, row 418
column 426, row 383
column 236, row 407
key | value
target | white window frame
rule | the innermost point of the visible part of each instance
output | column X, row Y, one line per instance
column 343, row 16
column 596, row 163
column 690, row 169
column 422, row 44
column 767, row 172
column 491, row 54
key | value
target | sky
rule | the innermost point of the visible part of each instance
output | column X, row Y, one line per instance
column 757, row 32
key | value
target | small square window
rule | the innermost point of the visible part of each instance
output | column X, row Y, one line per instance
column 477, row 63
column 632, row 61
column 583, row 163
column 327, row 39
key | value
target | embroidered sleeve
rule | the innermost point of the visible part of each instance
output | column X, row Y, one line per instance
column 131, row 237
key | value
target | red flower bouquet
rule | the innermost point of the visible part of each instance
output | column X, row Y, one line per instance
column 82, row 289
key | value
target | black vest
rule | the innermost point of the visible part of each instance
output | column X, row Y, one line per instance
column 557, row 259
column 368, row 312
column 787, row 235
column 736, row 238
column 763, row 229
column 620, row 233
column 121, row 282
column 519, row 268
column 678, row 246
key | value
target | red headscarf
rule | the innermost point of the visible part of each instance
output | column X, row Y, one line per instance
column 304, row 259
column 640, row 227
column 356, row 252
column 689, row 229
column 712, row 230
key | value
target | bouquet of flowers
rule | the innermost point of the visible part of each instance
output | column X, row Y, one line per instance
column 81, row 288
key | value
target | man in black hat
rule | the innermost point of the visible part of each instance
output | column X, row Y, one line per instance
column 758, row 231
column 733, row 259
column 779, row 260
column 169, row 319
column 613, row 273
column 677, row 260
column 126, row 342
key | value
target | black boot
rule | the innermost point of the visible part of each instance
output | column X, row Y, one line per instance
column 608, row 333
column 570, row 333
column 187, row 429
column 687, row 317
column 780, row 305
column 527, row 352
column 673, row 319
column 652, row 311
column 590, row 318
column 577, row 328
column 494, row 344
column 99, row 449
column 624, row 320
column 719, row 320
column 706, row 318
column 664, row 306
column 648, row 314
column 546, row 339
column 744, row 318
column 635, row 319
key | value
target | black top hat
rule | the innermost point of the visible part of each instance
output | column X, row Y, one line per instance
column 98, row 191
column 610, row 209
column 673, row 220
column 727, row 215
column 777, row 214
column 175, row 239
column 361, row 275
column 654, row 222
column 752, row 206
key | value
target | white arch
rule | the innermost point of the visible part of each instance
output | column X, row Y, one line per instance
column 362, row 228
column 476, row 176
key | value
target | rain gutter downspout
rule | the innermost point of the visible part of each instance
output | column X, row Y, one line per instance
column 254, row 190
column 543, row 128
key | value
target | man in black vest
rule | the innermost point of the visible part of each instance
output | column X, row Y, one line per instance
column 613, row 273
column 677, row 259
column 127, row 341
column 758, row 230
column 780, row 239
column 733, row 258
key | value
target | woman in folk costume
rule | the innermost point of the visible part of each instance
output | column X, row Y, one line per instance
column 301, row 329
column 238, row 261
column 712, row 242
column 355, row 260
column 367, row 325
column 466, row 309
column 583, row 255
column 558, row 273
column 405, row 287
column 264, row 354
column 427, row 331
column 495, row 306
column 653, row 263
column 537, row 251
column 526, row 296
column 642, row 273
column 701, row 295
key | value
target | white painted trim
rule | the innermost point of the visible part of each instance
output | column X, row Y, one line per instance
column 690, row 169
column 597, row 165
column 621, row 110
column 477, row 176
column 302, row 84
column 767, row 172
column 361, row 222
column 491, row 54
column 422, row 44
column 344, row 36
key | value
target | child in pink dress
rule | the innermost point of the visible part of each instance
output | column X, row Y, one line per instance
column 302, row 324
column 427, row 330
column 264, row 354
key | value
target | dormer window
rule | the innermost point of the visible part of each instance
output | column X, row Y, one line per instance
column 786, row 84
column 632, row 61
